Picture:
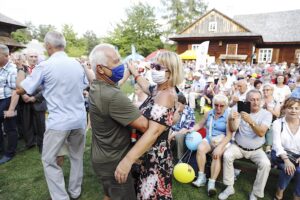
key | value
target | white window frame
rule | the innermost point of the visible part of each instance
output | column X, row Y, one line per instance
column 265, row 55
column 212, row 26
column 195, row 47
column 236, row 49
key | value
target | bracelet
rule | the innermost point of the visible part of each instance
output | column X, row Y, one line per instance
column 136, row 77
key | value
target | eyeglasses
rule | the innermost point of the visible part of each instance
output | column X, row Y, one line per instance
column 266, row 89
column 158, row 67
column 219, row 105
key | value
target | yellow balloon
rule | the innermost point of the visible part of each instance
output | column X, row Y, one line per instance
column 206, row 109
column 184, row 173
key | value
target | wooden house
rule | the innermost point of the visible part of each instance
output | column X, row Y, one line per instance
column 7, row 26
column 257, row 38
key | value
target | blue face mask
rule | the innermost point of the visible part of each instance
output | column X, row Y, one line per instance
column 117, row 73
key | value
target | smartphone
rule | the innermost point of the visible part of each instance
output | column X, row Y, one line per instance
column 243, row 106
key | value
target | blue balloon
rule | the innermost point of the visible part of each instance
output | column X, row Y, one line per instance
column 192, row 140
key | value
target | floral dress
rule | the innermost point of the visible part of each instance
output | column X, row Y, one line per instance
column 155, row 174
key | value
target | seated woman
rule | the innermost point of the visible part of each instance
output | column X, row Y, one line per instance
column 217, row 138
column 286, row 147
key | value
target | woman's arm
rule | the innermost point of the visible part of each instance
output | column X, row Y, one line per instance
column 143, row 83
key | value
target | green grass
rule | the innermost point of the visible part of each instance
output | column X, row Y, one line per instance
column 23, row 178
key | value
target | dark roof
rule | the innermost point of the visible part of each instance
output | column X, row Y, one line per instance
column 212, row 34
column 273, row 27
column 10, row 42
column 7, row 20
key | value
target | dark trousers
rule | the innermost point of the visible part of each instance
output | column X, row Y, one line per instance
column 10, row 128
column 33, row 123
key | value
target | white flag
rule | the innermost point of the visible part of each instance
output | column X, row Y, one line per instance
column 201, row 55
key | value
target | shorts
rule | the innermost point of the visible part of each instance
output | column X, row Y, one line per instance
column 112, row 189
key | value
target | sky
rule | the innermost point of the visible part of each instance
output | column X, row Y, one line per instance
column 101, row 15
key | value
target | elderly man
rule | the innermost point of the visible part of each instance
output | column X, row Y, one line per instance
column 63, row 80
column 241, row 94
column 249, row 139
column 32, row 107
column 111, row 112
column 8, row 102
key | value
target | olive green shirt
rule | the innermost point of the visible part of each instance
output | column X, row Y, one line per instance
column 110, row 111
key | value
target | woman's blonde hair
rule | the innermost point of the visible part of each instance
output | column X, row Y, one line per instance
column 172, row 61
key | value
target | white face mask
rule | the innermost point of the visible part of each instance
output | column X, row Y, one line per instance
column 158, row 77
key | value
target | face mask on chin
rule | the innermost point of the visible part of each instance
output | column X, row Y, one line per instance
column 158, row 77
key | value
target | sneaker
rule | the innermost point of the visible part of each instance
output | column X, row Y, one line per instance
column 5, row 159
column 226, row 193
column 201, row 180
column 252, row 196
column 211, row 188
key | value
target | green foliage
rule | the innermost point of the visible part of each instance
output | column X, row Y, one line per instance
column 75, row 46
column 180, row 14
column 22, row 35
column 140, row 28
column 90, row 40
column 40, row 31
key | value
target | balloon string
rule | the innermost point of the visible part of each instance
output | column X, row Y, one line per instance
column 180, row 160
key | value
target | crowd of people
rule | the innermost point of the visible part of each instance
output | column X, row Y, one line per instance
column 249, row 111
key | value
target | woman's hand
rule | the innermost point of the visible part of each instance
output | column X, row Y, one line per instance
column 298, row 161
column 217, row 153
column 289, row 167
column 132, row 69
column 123, row 170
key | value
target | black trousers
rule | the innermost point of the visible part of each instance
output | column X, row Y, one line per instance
column 33, row 125
column 10, row 128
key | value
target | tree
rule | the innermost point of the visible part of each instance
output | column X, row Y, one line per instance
column 22, row 35
column 91, row 40
column 75, row 46
column 140, row 29
column 180, row 14
column 40, row 32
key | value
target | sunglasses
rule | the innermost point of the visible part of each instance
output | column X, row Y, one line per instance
column 158, row 67
column 219, row 105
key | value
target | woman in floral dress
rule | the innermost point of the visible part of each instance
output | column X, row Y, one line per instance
column 153, row 150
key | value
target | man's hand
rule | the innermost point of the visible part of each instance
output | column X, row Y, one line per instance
column 246, row 117
column 123, row 170
column 234, row 115
column 32, row 99
column 9, row 113
column 235, row 99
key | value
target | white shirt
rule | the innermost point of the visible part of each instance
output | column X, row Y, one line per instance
column 281, row 93
column 285, row 139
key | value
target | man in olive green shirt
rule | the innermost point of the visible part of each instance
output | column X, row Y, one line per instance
column 111, row 113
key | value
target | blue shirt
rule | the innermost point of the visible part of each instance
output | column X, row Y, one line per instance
column 187, row 119
column 218, row 125
column 63, row 80
column 8, row 76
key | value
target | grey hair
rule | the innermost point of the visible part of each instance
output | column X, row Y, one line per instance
column 220, row 98
column 56, row 39
column 98, row 55
column 4, row 48
column 252, row 92
column 268, row 85
column 31, row 51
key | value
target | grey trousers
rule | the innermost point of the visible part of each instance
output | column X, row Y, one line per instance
column 53, row 142
column 259, row 157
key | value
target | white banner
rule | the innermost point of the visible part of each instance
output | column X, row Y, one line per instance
column 201, row 54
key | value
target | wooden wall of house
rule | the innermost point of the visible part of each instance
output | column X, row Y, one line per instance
column 283, row 52
column 216, row 48
column 224, row 24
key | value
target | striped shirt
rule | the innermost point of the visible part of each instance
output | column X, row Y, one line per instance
column 8, row 76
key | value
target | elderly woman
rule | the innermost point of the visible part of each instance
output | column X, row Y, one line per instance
column 272, row 106
column 154, row 181
column 281, row 90
column 286, row 147
column 217, row 138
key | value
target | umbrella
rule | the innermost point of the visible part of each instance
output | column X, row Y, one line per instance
column 152, row 55
column 188, row 55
